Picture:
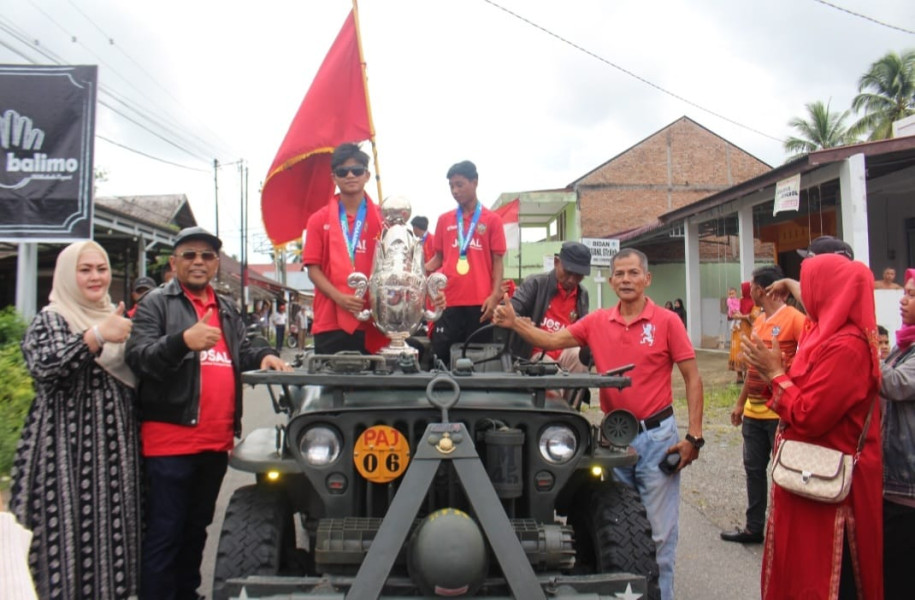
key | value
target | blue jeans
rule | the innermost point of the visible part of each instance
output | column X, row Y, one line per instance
column 180, row 501
column 660, row 494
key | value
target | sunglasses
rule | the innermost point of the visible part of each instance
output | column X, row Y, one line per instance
column 342, row 172
column 191, row 255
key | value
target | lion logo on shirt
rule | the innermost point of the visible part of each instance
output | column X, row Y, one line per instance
column 647, row 334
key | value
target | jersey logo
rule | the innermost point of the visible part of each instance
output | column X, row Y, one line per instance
column 647, row 334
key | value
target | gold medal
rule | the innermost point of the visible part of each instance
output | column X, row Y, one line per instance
column 463, row 266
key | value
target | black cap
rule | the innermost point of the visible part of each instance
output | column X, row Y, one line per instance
column 420, row 222
column 198, row 233
column 144, row 283
column 575, row 258
column 827, row 244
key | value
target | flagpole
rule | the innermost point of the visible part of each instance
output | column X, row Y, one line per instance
column 368, row 102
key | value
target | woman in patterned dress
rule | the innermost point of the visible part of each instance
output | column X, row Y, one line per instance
column 76, row 472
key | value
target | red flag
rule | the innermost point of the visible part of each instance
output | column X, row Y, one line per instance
column 510, row 216
column 334, row 111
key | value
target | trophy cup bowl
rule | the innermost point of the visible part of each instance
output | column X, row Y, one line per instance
column 398, row 286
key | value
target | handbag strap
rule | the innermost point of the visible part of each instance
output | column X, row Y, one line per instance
column 867, row 422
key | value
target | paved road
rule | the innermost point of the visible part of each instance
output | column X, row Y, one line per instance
column 707, row 568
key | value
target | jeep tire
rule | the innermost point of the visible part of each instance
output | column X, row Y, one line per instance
column 612, row 533
column 257, row 536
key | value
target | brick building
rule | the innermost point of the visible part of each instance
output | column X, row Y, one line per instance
column 672, row 168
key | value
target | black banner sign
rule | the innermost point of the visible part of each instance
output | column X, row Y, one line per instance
column 47, row 132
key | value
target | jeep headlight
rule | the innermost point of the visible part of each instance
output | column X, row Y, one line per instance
column 558, row 444
column 320, row 446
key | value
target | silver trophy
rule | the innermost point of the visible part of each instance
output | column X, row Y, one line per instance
column 398, row 285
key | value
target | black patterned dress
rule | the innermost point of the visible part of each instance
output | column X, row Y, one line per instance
column 76, row 475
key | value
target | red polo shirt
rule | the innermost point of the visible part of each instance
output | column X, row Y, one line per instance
column 653, row 342
column 215, row 427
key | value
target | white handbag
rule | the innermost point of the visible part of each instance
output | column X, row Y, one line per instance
column 816, row 472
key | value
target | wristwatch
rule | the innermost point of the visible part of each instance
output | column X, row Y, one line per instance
column 698, row 442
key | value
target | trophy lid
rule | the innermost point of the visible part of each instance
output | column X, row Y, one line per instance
column 395, row 210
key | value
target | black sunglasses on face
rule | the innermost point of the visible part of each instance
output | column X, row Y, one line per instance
column 342, row 172
column 190, row 255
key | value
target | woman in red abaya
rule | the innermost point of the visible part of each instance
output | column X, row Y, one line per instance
column 816, row 550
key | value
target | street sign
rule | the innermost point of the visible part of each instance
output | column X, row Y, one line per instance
column 602, row 250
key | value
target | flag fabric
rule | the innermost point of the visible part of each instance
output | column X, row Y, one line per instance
column 510, row 216
column 335, row 110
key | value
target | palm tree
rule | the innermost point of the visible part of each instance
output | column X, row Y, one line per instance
column 886, row 94
column 823, row 129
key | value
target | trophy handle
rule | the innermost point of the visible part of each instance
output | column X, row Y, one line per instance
column 360, row 284
column 434, row 285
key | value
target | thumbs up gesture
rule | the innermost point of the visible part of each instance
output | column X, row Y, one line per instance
column 116, row 327
column 201, row 336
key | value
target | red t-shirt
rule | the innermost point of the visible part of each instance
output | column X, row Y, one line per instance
column 318, row 250
column 653, row 342
column 215, row 427
column 560, row 313
column 488, row 238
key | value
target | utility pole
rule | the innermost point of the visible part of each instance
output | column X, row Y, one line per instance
column 243, row 255
column 216, row 191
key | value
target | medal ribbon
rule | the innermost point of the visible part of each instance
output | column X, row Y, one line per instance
column 352, row 240
column 464, row 240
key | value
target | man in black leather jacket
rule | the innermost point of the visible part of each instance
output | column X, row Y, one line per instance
column 555, row 300
column 188, row 349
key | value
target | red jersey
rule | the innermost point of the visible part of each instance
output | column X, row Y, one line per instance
column 653, row 342
column 558, row 315
column 473, row 288
column 325, row 247
column 428, row 242
column 215, row 428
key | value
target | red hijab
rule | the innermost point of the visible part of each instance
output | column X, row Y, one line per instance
column 746, row 301
column 838, row 294
column 906, row 334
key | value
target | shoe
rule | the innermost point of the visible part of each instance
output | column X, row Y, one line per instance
column 742, row 536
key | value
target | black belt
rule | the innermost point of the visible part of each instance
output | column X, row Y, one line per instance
column 655, row 420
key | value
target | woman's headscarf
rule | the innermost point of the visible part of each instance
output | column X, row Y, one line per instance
column 837, row 293
column 68, row 301
column 905, row 336
column 746, row 300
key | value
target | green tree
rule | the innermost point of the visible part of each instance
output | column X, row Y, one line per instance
column 822, row 129
column 886, row 94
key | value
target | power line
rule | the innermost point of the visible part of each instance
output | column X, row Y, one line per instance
column 155, row 81
column 161, row 116
column 20, row 36
column 631, row 74
column 865, row 17
column 156, row 158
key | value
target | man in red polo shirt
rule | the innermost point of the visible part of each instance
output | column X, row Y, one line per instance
column 637, row 331
column 188, row 349
column 469, row 245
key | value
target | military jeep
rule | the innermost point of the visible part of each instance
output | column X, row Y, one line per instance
column 393, row 481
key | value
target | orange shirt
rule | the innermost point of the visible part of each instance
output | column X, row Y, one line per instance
column 788, row 323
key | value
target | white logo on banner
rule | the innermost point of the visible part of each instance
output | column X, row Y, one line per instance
column 19, row 136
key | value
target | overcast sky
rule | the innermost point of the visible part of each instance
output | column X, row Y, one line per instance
column 448, row 80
